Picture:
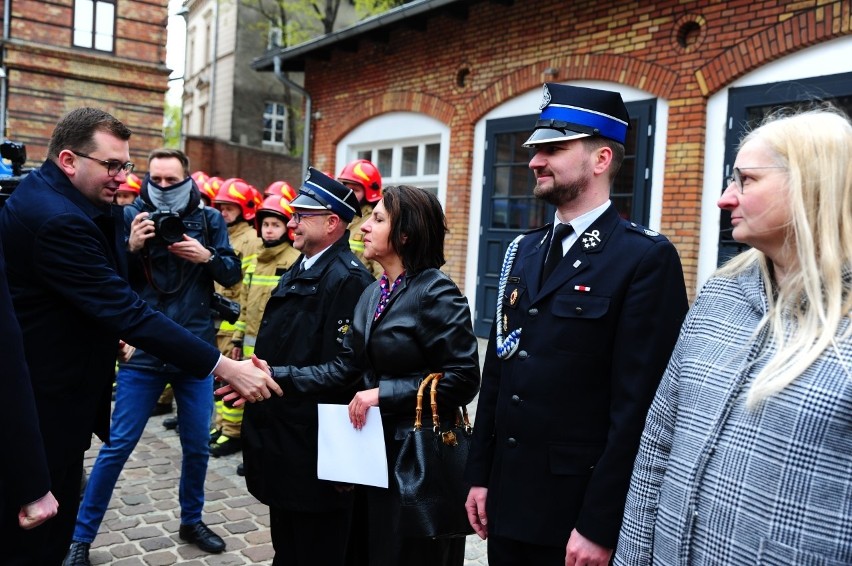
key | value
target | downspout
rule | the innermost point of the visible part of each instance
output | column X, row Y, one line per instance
column 7, row 7
column 306, row 143
column 215, row 63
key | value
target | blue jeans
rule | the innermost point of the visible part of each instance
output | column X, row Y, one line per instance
column 136, row 394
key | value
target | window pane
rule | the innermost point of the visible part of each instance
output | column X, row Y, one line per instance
column 385, row 164
column 104, row 22
column 409, row 161
column 83, row 17
column 431, row 166
column 368, row 155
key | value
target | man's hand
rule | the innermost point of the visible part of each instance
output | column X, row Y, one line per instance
column 246, row 381
column 125, row 351
column 583, row 552
column 141, row 230
column 191, row 250
column 34, row 514
column 475, row 506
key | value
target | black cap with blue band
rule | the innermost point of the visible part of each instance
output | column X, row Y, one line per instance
column 572, row 112
column 321, row 192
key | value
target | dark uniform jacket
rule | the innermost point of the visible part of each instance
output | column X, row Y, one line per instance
column 66, row 266
column 176, row 287
column 558, row 424
column 303, row 324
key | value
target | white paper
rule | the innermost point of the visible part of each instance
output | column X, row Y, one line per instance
column 349, row 455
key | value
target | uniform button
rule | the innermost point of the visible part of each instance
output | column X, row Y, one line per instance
column 293, row 287
column 511, row 443
column 533, row 312
column 515, row 399
column 522, row 355
column 578, row 310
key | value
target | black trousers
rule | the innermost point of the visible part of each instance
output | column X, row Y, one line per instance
column 508, row 552
column 47, row 544
column 302, row 538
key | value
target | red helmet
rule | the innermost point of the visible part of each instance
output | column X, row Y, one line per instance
column 281, row 188
column 275, row 205
column 200, row 177
column 236, row 191
column 132, row 184
column 366, row 174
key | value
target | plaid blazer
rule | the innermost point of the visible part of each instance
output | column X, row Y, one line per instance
column 717, row 483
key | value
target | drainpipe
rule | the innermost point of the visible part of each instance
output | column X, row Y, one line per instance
column 215, row 63
column 7, row 8
column 306, row 143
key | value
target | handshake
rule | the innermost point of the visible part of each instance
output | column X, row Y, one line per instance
column 248, row 381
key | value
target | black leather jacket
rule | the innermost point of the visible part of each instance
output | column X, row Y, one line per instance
column 425, row 328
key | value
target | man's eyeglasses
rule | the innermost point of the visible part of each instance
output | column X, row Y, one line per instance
column 113, row 166
column 737, row 177
column 298, row 216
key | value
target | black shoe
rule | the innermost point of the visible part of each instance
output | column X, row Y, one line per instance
column 162, row 409
column 241, row 471
column 78, row 555
column 201, row 536
column 225, row 445
column 170, row 423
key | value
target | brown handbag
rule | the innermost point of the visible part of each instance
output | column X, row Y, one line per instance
column 429, row 472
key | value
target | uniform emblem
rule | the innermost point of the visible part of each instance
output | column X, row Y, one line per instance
column 545, row 98
column 583, row 288
column 651, row 232
column 591, row 239
column 513, row 297
column 505, row 321
column 342, row 330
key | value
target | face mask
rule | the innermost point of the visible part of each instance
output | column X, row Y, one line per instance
column 174, row 198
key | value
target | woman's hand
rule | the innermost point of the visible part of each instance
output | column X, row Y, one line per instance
column 362, row 401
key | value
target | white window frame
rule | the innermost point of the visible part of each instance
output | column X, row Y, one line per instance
column 277, row 120
column 94, row 24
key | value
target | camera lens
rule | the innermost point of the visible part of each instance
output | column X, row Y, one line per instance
column 169, row 228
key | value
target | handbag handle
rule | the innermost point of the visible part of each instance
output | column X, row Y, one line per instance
column 418, row 414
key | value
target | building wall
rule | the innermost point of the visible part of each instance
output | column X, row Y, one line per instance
column 680, row 52
column 47, row 76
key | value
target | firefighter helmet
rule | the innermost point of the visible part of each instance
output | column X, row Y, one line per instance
column 236, row 191
column 366, row 174
column 281, row 188
column 275, row 205
column 132, row 184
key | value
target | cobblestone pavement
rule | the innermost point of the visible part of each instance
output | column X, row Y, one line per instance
column 141, row 523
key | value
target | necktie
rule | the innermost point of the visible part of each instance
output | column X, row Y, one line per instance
column 554, row 254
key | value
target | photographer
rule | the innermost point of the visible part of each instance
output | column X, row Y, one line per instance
column 178, row 248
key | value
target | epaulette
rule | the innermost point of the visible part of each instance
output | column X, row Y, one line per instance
column 632, row 226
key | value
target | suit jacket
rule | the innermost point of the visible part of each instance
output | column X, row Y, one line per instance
column 558, row 424
column 65, row 260
column 303, row 323
column 25, row 477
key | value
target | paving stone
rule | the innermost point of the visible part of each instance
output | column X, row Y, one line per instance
column 125, row 550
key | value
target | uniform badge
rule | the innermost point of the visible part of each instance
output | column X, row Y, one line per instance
column 651, row 232
column 342, row 330
column 583, row 288
column 505, row 321
column 591, row 239
column 513, row 298
column 545, row 98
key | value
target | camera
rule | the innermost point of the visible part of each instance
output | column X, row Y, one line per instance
column 16, row 153
column 168, row 227
column 226, row 309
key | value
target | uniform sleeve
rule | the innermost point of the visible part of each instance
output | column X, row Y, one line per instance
column 225, row 268
column 481, row 455
column 446, row 338
column 651, row 316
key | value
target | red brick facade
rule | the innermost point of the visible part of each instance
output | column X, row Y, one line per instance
column 679, row 51
column 47, row 76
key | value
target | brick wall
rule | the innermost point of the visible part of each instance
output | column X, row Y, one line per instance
column 47, row 76
column 680, row 51
column 256, row 166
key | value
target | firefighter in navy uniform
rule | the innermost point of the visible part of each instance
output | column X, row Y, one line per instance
column 586, row 322
column 364, row 178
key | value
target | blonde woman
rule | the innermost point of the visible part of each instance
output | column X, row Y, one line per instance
column 746, row 457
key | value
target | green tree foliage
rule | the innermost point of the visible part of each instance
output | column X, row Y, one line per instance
column 171, row 125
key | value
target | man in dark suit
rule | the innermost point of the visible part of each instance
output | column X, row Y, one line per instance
column 65, row 259
column 585, row 326
column 24, row 483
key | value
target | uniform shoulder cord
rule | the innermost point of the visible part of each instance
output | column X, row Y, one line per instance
column 506, row 347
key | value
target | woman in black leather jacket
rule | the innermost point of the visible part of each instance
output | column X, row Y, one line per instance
column 412, row 322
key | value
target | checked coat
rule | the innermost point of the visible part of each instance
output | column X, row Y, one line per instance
column 718, row 483
column 558, row 424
